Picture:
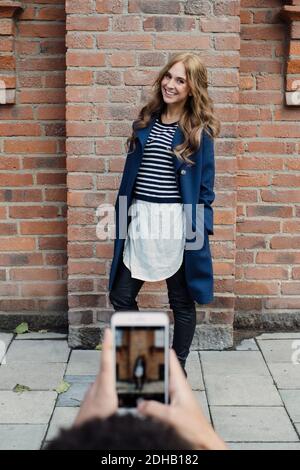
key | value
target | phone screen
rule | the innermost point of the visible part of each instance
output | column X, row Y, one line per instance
column 140, row 364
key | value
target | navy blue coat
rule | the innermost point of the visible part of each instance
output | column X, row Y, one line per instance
column 195, row 183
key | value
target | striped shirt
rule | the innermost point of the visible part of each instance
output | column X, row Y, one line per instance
column 155, row 181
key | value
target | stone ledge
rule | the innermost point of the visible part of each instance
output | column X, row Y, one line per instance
column 207, row 337
column 290, row 13
column 267, row 321
column 52, row 321
column 7, row 65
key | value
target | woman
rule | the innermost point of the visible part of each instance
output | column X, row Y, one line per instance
column 168, row 174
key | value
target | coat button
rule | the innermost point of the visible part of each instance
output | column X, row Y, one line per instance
column 183, row 172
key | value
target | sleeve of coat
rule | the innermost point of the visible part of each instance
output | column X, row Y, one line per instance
column 207, row 194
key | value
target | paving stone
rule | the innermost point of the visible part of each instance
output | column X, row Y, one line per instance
column 27, row 407
column 264, row 445
column 5, row 339
column 37, row 335
column 233, row 363
column 21, row 436
column 287, row 335
column 257, row 424
column 63, row 417
column 291, row 399
column 37, row 376
column 241, row 390
column 194, row 373
column 202, row 400
column 278, row 350
column 247, row 345
column 286, row 376
column 84, row 362
column 44, row 351
column 75, row 394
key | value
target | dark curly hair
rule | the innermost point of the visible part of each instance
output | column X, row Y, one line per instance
column 119, row 432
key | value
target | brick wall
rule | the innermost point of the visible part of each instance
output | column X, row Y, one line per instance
column 32, row 168
column 268, row 242
column 115, row 49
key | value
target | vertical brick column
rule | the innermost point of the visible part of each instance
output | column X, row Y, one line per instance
column 7, row 49
column 115, row 49
column 32, row 169
column 268, row 255
column 291, row 14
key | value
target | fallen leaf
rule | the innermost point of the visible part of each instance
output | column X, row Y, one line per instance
column 21, row 388
column 22, row 328
column 99, row 347
column 62, row 387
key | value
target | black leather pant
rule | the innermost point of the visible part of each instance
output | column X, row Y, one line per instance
column 123, row 297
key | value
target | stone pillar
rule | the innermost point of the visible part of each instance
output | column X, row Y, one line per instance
column 7, row 60
column 291, row 14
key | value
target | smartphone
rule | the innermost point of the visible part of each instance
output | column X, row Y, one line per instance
column 141, row 357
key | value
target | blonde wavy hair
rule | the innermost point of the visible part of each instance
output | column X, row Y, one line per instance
column 198, row 113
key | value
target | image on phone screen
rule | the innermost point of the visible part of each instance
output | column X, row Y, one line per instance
column 140, row 364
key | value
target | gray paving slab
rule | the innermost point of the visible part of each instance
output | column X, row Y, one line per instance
column 44, row 351
column 291, row 399
column 27, row 407
column 280, row 350
column 78, row 387
column 286, row 376
column 286, row 335
column 257, row 424
column 5, row 340
column 241, row 390
column 202, row 400
column 37, row 335
column 264, row 445
column 233, row 362
column 194, row 373
column 63, row 417
column 21, row 436
column 37, row 376
column 84, row 362
column 247, row 345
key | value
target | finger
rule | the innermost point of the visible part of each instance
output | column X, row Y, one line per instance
column 106, row 376
column 176, row 373
column 154, row 409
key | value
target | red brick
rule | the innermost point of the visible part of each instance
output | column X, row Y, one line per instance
column 86, row 267
column 43, row 227
column 124, row 41
column 79, row 250
column 109, row 6
column 79, row 40
column 7, row 63
column 290, row 288
column 258, row 226
column 256, row 288
column 174, row 41
column 85, row 59
column 17, row 244
column 226, row 25
column 79, row 6
column 33, row 212
column 153, row 6
column 90, row 23
column 282, row 303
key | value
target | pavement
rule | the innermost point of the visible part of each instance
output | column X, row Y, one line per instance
column 251, row 394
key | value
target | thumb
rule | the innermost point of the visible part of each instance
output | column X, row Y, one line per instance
column 154, row 409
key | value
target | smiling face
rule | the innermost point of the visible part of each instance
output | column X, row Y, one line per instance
column 175, row 82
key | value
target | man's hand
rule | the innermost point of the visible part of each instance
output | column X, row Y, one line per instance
column 184, row 413
column 101, row 399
